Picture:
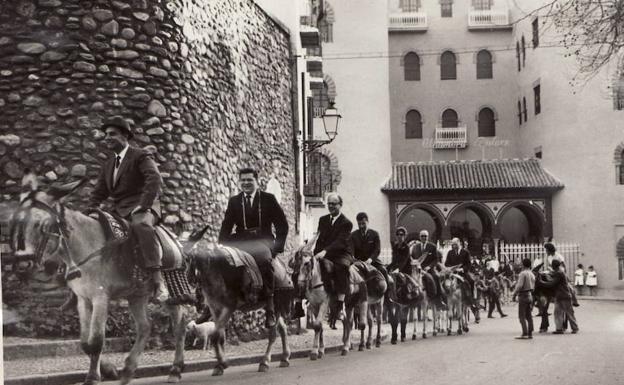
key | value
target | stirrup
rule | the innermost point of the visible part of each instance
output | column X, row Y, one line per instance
column 161, row 294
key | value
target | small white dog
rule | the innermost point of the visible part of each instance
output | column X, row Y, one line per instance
column 201, row 331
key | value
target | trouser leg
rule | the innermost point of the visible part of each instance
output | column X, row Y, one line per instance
column 142, row 228
column 559, row 315
column 263, row 257
column 522, row 318
column 569, row 313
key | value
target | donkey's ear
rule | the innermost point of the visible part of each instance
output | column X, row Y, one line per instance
column 198, row 234
column 58, row 191
column 30, row 183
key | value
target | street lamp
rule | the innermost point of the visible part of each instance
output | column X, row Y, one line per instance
column 331, row 118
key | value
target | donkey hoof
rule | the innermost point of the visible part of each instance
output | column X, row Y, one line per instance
column 321, row 354
column 174, row 379
column 314, row 356
column 466, row 329
column 424, row 335
column 217, row 371
column 413, row 337
column 378, row 344
column 449, row 333
column 368, row 345
column 460, row 332
column 360, row 348
column 344, row 352
column 434, row 333
column 284, row 364
column 393, row 341
column 263, row 368
column 91, row 381
column 402, row 339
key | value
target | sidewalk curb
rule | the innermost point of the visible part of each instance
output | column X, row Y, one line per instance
column 588, row 298
column 162, row 369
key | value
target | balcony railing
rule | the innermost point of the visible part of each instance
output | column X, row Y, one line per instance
column 450, row 137
column 407, row 21
column 488, row 19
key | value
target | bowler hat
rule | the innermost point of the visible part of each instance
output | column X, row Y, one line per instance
column 119, row 122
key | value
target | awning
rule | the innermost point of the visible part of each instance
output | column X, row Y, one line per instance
column 494, row 174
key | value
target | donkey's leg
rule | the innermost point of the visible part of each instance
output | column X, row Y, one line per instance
column 283, row 331
column 85, row 312
column 347, row 324
column 369, row 322
column 404, row 313
column 221, row 317
column 419, row 310
column 320, row 315
column 394, row 322
column 264, row 363
column 138, row 309
column 178, row 322
column 363, row 316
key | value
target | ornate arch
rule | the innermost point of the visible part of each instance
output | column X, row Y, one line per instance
column 491, row 107
column 480, row 209
column 406, row 52
column 333, row 164
column 475, row 53
column 331, row 86
column 430, row 209
column 617, row 154
column 520, row 203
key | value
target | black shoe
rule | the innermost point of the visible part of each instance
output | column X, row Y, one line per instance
column 530, row 337
column 576, row 304
column 503, row 315
column 298, row 311
column 522, row 337
column 558, row 332
column 490, row 316
column 72, row 272
column 575, row 331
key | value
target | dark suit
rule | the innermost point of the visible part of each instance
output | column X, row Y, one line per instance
column 138, row 185
column 253, row 230
column 401, row 258
column 335, row 240
column 429, row 263
column 460, row 257
column 366, row 245
column 264, row 214
column 433, row 255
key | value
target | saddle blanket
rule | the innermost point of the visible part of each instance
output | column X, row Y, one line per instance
column 238, row 258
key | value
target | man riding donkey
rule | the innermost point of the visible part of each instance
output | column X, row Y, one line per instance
column 431, row 259
column 131, row 178
column 366, row 244
column 333, row 244
column 252, row 214
column 461, row 257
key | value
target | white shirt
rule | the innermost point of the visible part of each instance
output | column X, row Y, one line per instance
column 333, row 219
column 121, row 156
column 252, row 196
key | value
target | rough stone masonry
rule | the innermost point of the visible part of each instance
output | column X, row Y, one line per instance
column 207, row 85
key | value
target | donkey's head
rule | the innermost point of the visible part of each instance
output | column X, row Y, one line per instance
column 37, row 227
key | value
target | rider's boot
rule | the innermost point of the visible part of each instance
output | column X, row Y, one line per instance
column 269, row 312
column 161, row 294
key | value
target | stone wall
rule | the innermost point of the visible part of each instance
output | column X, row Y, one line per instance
column 206, row 84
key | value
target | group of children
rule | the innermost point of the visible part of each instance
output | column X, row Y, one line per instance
column 587, row 278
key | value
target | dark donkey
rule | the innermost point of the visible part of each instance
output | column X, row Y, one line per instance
column 544, row 296
column 226, row 288
column 44, row 228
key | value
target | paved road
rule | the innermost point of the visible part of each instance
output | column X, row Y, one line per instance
column 487, row 355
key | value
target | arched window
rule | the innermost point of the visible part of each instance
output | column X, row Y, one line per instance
column 411, row 64
column 448, row 66
column 318, row 177
column 484, row 64
column 523, row 52
column 413, row 125
column 519, row 112
column 449, row 118
column 487, row 125
column 518, row 55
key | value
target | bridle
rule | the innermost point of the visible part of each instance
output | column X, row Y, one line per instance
column 309, row 275
column 55, row 227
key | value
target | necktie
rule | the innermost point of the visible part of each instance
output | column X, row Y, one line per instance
column 116, row 171
column 248, row 200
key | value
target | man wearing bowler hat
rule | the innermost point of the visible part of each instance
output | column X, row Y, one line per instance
column 131, row 178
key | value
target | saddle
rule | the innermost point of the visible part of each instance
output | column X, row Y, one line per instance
column 406, row 289
column 357, row 283
column 121, row 245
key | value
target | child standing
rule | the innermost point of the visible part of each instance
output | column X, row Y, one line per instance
column 579, row 279
column 592, row 280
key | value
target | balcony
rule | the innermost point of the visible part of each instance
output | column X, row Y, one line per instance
column 407, row 22
column 488, row 19
column 450, row 137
